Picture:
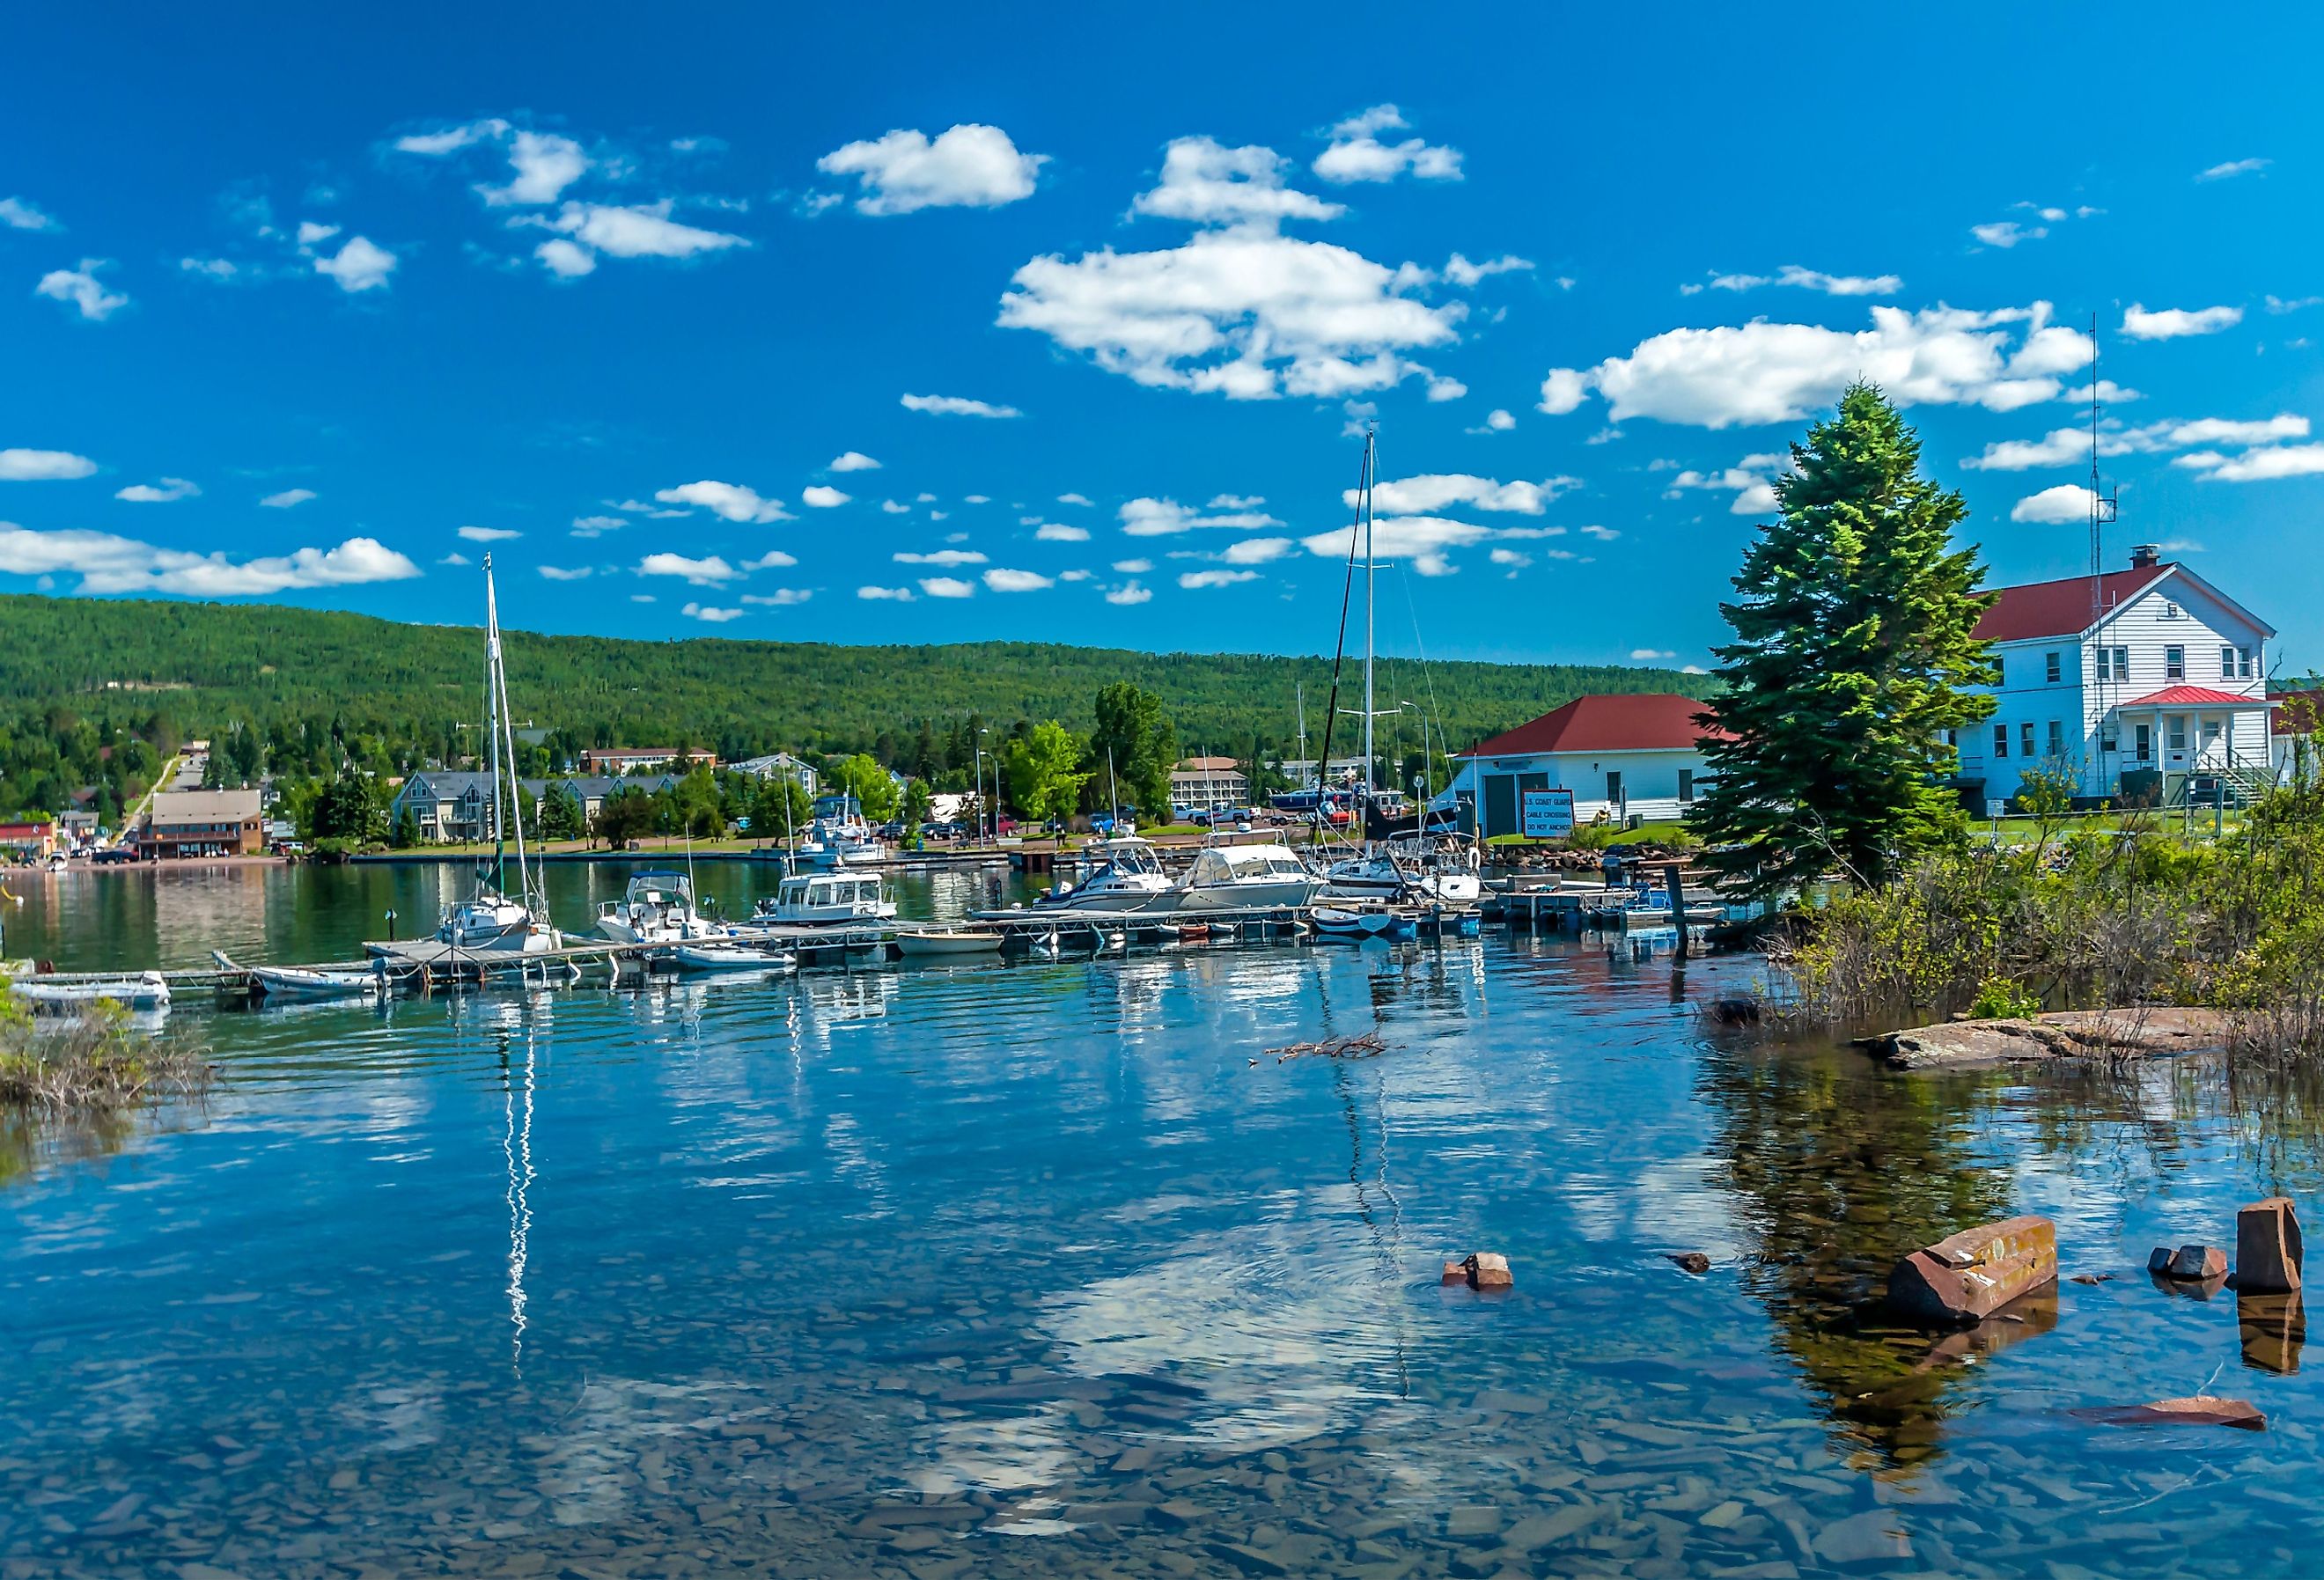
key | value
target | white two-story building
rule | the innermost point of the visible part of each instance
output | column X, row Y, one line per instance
column 2147, row 681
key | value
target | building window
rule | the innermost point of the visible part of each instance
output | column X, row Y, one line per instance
column 2001, row 740
column 2144, row 743
column 2226, row 663
column 1613, row 787
column 2121, row 663
column 2050, row 664
column 2178, row 731
column 2057, row 739
column 2243, row 664
column 1685, row 785
column 2174, row 663
column 2109, row 743
column 2210, row 733
column 2025, row 737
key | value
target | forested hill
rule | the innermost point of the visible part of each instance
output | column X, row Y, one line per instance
column 205, row 664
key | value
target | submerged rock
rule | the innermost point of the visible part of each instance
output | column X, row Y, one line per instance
column 2065, row 1034
column 2191, row 1412
column 1693, row 1261
column 1969, row 1276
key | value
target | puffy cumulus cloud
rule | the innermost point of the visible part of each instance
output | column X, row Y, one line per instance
column 81, row 290
column 543, row 164
column 781, row 599
column 1256, row 552
column 359, row 264
column 1003, row 580
column 709, row 614
column 489, row 534
column 969, row 166
column 2233, row 168
column 896, row 595
column 1196, row 579
column 958, row 406
column 1129, row 594
column 1763, row 372
column 1357, row 153
column 1237, row 501
column 1421, row 540
column 313, row 232
column 562, row 573
column 1205, row 182
column 1496, row 421
column 710, row 572
column 1075, row 499
column 2007, row 233
column 167, row 491
column 1460, row 271
column 635, row 230
column 947, row 587
column 2259, row 466
column 821, row 496
column 1133, row 567
column 109, row 564
column 1061, row 533
column 1806, row 280
column 2068, row 502
column 853, row 461
column 1603, row 534
column 1433, row 491
column 21, row 466
column 2063, row 445
column 731, row 501
column 772, row 559
column 1517, row 559
column 1160, row 518
column 895, row 508
column 21, row 213
column 2174, row 323
column 947, row 557
column 1750, row 479
column 288, row 499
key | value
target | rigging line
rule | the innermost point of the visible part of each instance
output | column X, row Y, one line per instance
column 1427, row 679
column 1340, row 644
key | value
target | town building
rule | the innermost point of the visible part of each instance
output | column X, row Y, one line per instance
column 201, row 823
column 2145, row 684
column 1621, row 756
column 618, row 760
column 779, row 764
column 1301, row 771
column 28, row 841
column 456, row 807
column 1202, row 783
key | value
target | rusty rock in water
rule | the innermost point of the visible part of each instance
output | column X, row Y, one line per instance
column 2188, row 1412
column 1968, row 1276
column 1480, row 1270
column 2268, row 1249
column 2198, row 1262
column 1693, row 1261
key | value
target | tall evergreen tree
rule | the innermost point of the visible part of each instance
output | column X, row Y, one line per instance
column 1853, row 641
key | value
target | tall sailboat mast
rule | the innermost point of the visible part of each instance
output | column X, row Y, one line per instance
column 503, row 743
column 493, row 729
column 1371, row 468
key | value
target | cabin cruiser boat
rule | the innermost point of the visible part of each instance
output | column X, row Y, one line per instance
column 1439, row 872
column 825, row 900
column 657, row 908
column 1227, row 877
column 838, row 840
column 1120, row 874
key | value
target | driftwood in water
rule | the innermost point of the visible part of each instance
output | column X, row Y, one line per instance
column 1366, row 1046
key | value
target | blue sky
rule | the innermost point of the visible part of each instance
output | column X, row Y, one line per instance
column 314, row 306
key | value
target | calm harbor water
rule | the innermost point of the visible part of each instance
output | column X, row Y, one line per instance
column 1052, row 1269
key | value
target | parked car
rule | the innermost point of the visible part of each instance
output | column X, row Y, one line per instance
column 941, row 830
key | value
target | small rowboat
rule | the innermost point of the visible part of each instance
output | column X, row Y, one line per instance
column 1348, row 924
column 926, row 942
column 296, row 983
column 731, row 957
column 148, row 990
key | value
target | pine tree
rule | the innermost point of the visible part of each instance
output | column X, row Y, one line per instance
column 1854, row 639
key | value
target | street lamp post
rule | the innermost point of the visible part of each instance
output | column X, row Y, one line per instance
column 983, row 815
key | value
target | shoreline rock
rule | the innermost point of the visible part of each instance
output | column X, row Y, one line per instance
column 2063, row 1034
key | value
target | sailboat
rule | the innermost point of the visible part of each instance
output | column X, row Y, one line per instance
column 1399, row 859
column 493, row 920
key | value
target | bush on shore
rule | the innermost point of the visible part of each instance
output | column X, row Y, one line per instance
column 90, row 1065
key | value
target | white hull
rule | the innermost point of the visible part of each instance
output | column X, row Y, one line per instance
column 147, row 991
column 715, row 957
column 930, row 944
column 1270, row 893
column 292, row 983
column 1105, row 897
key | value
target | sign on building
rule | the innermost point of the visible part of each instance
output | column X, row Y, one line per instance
column 1547, row 813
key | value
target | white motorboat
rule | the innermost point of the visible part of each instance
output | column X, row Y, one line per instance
column 840, row 839
column 148, row 990
column 1120, row 874
column 56, row 861
column 825, row 900
column 1226, row 877
column 1442, row 872
column 728, row 956
column 938, row 941
column 657, row 908
column 292, row 982
column 1358, row 923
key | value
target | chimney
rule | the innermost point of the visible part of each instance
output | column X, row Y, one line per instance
column 2145, row 556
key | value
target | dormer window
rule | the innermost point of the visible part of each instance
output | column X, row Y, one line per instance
column 2169, row 611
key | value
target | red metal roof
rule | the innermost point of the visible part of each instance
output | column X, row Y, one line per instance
column 1652, row 721
column 2194, row 696
column 2063, row 608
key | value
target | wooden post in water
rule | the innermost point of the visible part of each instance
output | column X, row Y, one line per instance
column 1678, row 908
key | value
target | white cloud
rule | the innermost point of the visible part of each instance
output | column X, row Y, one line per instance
column 560, row 573
column 312, row 231
column 2259, row 466
column 456, row 558
column 2106, row 391
column 110, row 564
column 899, row 594
column 1002, row 580
column 2277, row 304
column 781, row 599
column 1133, row 567
column 489, row 534
column 819, row 496
column 565, row 259
column 1129, row 593
column 1421, row 539
column 1074, row 499
column 640, row 230
column 163, row 492
column 288, row 498
column 853, row 461
column 772, row 559
column 2064, row 445
column 1160, row 518
column 597, row 526
column 1764, row 371
column 969, row 166
column 709, row 614
column 2068, row 502
column 81, row 289
column 1431, row 492
column 1442, row 388
column 947, row 587
column 1215, row 579
column 641, row 507
column 1751, row 480
column 1073, row 576
column 210, row 268
column 2232, row 167
column 958, row 406
column 710, row 572
column 450, row 139
column 1459, row 271
column 1603, row 534
column 19, row 466
column 19, row 214
column 1806, row 280
column 731, row 501
column 2173, row 322
column 544, row 163
column 941, row 557
column 2007, row 233
column 1060, row 532
column 894, row 508
column 1256, row 551
column 1516, row 559
column 1357, row 153
column 1236, row 501
column 358, row 266
column 1205, row 182
column 1496, row 421
column 1651, row 652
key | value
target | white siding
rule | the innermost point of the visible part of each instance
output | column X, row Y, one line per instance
column 1650, row 783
